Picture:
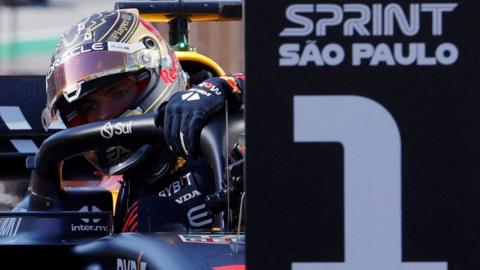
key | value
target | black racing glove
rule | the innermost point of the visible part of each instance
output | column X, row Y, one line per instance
column 188, row 111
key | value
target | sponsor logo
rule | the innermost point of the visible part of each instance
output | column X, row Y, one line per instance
column 376, row 20
column 89, row 228
column 191, row 96
column 86, row 208
column 194, row 93
column 211, row 87
column 176, row 186
column 108, row 130
column 126, row 264
column 168, row 75
column 210, row 239
column 118, row 33
column 125, row 47
column 97, row 46
column 196, row 216
column 188, row 196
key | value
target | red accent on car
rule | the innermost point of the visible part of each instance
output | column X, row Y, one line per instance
column 231, row 267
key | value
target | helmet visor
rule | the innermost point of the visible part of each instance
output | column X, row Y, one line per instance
column 95, row 61
column 106, row 98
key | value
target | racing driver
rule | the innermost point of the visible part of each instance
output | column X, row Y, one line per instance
column 108, row 66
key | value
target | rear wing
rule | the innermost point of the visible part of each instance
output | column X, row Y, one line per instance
column 193, row 10
column 179, row 13
column 22, row 100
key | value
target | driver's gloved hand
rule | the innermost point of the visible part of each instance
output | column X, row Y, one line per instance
column 188, row 111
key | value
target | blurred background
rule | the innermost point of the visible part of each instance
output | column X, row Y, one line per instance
column 29, row 30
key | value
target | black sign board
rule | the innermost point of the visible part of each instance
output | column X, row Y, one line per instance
column 363, row 123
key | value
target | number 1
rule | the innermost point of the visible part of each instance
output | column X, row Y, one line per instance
column 372, row 172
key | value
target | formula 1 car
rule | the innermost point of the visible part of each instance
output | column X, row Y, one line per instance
column 75, row 227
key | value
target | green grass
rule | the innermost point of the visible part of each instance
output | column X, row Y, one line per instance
column 24, row 48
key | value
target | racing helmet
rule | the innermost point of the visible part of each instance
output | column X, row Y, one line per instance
column 98, row 51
